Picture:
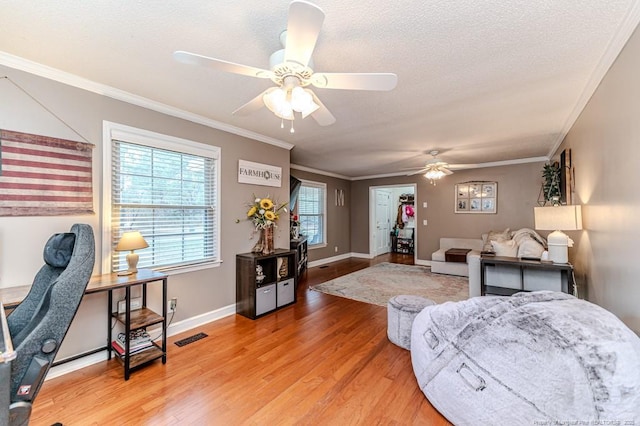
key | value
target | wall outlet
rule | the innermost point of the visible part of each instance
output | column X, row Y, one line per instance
column 335, row 249
column 172, row 304
column 136, row 303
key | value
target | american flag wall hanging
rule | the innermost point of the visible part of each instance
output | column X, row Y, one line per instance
column 43, row 176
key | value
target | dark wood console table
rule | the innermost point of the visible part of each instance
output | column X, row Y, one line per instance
column 565, row 270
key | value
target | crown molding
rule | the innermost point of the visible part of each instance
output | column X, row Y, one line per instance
column 509, row 162
column 617, row 43
column 73, row 80
column 471, row 166
column 386, row 175
column 318, row 172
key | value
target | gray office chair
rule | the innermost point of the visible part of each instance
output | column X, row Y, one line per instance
column 38, row 325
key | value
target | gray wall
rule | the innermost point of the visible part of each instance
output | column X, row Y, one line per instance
column 606, row 152
column 338, row 228
column 22, row 238
column 518, row 189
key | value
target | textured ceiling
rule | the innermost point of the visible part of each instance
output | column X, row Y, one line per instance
column 482, row 82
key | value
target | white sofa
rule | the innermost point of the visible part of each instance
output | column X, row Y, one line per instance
column 474, row 275
column 498, row 275
column 440, row 266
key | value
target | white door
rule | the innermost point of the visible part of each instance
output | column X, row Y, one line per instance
column 383, row 221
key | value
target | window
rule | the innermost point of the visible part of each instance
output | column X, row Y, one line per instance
column 312, row 209
column 166, row 188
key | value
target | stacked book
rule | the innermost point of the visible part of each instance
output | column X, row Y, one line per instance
column 139, row 341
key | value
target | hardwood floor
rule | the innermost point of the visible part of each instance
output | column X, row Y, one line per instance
column 325, row 360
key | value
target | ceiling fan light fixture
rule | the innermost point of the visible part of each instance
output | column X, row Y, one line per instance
column 273, row 99
column 434, row 174
column 276, row 101
column 299, row 99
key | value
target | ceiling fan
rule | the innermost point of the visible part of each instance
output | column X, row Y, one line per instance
column 291, row 71
column 435, row 168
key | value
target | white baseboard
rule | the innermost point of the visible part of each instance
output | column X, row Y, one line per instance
column 363, row 255
column 68, row 367
column 198, row 320
column 324, row 261
column 173, row 329
column 328, row 260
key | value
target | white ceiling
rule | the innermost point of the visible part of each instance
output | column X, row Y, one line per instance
column 482, row 81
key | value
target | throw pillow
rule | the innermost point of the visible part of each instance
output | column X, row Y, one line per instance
column 528, row 247
column 496, row 236
column 523, row 233
column 505, row 248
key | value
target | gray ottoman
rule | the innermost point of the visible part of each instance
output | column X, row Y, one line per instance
column 401, row 311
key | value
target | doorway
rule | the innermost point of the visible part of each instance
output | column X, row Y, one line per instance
column 383, row 215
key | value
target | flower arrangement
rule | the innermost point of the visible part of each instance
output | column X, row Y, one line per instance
column 295, row 220
column 264, row 213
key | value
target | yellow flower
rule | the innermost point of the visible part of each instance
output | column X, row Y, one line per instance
column 269, row 215
column 266, row 203
column 252, row 211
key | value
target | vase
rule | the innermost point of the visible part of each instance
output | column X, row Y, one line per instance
column 265, row 242
column 295, row 232
column 268, row 247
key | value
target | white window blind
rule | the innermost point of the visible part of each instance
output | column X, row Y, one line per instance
column 312, row 211
column 170, row 197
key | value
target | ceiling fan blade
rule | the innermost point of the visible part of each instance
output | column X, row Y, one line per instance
column 322, row 115
column 462, row 166
column 446, row 171
column 355, row 81
column 252, row 106
column 417, row 172
column 303, row 28
column 220, row 65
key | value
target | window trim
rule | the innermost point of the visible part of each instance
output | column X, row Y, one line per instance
column 111, row 131
column 322, row 185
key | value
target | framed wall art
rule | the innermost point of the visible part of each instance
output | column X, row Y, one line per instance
column 566, row 177
column 476, row 197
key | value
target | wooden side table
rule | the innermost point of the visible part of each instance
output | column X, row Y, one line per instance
column 144, row 317
column 134, row 320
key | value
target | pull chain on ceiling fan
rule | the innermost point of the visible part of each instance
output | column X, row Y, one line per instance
column 291, row 70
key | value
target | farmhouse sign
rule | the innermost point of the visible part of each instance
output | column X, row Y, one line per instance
column 259, row 174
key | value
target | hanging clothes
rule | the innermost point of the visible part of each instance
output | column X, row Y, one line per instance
column 408, row 210
column 399, row 221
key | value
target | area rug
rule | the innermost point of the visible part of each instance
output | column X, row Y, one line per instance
column 378, row 283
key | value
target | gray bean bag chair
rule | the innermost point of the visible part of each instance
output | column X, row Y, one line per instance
column 533, row 357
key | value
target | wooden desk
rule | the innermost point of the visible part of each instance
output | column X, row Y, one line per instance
column 12, row 296
column 565, row 270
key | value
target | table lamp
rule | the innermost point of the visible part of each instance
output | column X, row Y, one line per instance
column 558, row 219
column 131, row 240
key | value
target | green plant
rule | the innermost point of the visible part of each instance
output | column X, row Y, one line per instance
column 551, row 182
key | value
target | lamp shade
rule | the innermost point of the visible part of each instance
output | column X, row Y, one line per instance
column 131, row 240
column 558, row 218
